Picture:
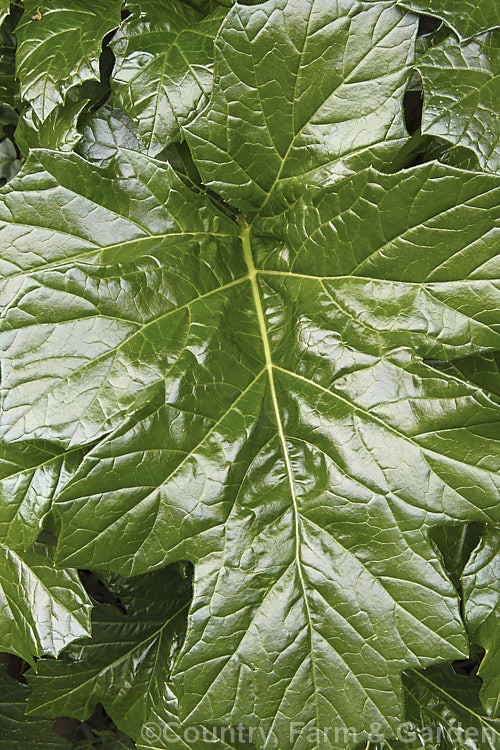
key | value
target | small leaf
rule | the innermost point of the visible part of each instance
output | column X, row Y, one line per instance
column 467, row 17
column 61, row 49
column 163, row 71
column 59, row 131
column 481, row 583
column 461, row 95
column 9, row 163
column 104, row 132
column 42, row 609
column 4, row 10
column 8, row 85
column 20, row 732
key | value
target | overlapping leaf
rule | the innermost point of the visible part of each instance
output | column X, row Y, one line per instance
column 483, row 370
column 58, row 131
column 8, row 87
column 42, row 609
column 4, row 9
column 163, row 71
column 136, row 648
column 467, row 17
column 443, row 710
column 258, row 385
column 455, row 545
column 29, row 477
column 18, row 731
column 59, row 47
column 462, row 91
column 9, row 163
column 266, row 124
column 482, row 608
column 104, row 133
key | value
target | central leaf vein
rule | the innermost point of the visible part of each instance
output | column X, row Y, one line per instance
column 252, row 275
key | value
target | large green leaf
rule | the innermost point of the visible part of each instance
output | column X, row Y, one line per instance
column 291, row 410
column 163, row 69
column 467, row 17
column 150, row 212
column 482, row 609
column 461, row 95
column 266, row 123
column 42, row 609
column 20, row 732
column 61, row 48
column 257, row 382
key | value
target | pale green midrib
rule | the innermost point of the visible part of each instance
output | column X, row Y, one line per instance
column 252, row 275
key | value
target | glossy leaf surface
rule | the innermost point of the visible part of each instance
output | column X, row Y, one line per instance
column 29, row 478
column 455, row 545
column 250, row 408
column 61, row 48
column 252, row 387
column 134, row 648
column 9, row 163
column 461, row 95
column 483, row 370
column 163, row 71
column 4, row 9
column 103, row 133
column 42, row 609
column 482, row 607
column 59, row 130
column 18, row 731
column 443, row 711
column 266, row 125
column 8, row 86
column 150, row 212
column 467, row 17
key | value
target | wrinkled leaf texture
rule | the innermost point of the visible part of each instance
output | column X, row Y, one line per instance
column 467, row 17
column 258, row 386
column 443, row 710
column 461, row 95
column 482, row 607
column 61, row 49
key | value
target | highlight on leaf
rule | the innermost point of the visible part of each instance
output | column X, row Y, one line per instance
column 249, row 392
